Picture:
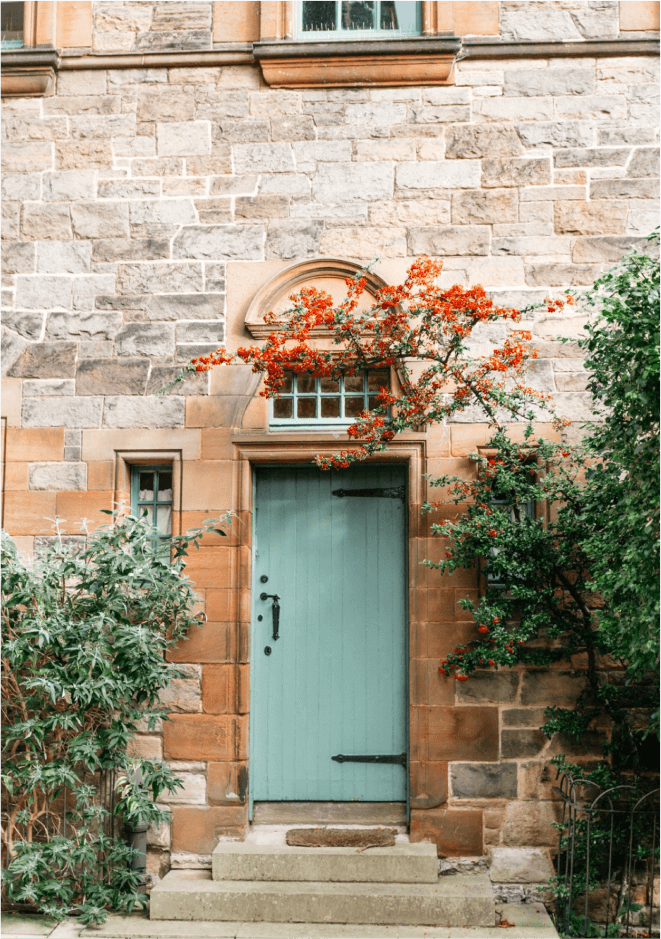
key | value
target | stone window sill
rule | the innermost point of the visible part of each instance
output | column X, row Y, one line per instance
column 377, row 62
column 28, row 72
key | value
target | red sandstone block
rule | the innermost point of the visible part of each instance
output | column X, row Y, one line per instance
column 227, row 782
column 211, row 567
column 211, row 642
column 456, row 832
column 429, row 785
column 27, row 513
column 197, row 829
column 206, row 737
column 220, row 689
column 222, row 605
column 427, row 685
column 454, row 733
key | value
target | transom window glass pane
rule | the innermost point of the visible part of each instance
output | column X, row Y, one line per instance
column 11, row 15
column 151, row 496
column 306, row 399
column 349, row 18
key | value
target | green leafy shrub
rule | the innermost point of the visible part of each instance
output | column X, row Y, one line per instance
column 85, row 628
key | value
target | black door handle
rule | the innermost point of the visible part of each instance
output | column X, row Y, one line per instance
column 275, row 610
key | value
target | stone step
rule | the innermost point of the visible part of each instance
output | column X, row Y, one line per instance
column 401, row 863
column 462, row 900
column 528, row 921
column 330, row 813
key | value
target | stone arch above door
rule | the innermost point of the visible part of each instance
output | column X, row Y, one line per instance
column 327, row 274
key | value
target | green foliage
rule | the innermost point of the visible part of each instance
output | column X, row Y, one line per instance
column 85, row 629
column 621, row 496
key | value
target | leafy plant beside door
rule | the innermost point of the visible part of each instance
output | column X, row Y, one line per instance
column 85, row 629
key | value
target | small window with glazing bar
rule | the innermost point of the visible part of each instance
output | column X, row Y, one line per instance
column 151, row 496
column 348, row 19
column 306, row 400
column 12, row 16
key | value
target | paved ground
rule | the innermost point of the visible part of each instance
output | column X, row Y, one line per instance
column 526, row 921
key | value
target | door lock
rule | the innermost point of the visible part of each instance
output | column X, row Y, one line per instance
column 275, row 610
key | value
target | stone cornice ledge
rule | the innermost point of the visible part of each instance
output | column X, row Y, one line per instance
column 338, row 64
column 28, row 73
column 497, row 49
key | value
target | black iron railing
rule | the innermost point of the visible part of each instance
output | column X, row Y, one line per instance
column 608, row 860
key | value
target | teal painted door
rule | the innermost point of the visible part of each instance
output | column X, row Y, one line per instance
column 335, row 680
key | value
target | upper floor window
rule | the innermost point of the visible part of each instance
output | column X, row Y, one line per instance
column 12, row 16
column 352, row 19
column 306, row 400
column 151, row 495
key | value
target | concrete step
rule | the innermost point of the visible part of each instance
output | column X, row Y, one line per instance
column 531, row 921
column 401, row 863
column 462, row 900
column 330, row 813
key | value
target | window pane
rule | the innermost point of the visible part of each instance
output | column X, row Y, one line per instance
column 354, row 382
column 164, row 487
column 288, row 386
column 283, row 407
column 12, row 23
column 146, row 486
column 319, row 16
column 353, row 407
column 164, row 520
column 327, row 384
column 399, row 15
column 330, row 407
column 377, row 379
column 306, row 407
column 306, row 383
column 358, row 15
column 146, row 510
column 373, row 402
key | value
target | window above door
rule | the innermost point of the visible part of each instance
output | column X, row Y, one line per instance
column 306, row 401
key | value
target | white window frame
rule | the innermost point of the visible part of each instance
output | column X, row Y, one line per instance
column 348, row 35
column 320, row 423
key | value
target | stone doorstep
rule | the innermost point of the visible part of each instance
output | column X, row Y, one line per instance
column 463, row 900
column 530, row 919
column 401, row 863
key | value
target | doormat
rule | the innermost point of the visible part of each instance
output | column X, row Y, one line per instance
column 341, row 837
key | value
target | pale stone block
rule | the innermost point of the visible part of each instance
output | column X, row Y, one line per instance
column 334, row 214
column 83, row 104
column 284, row 184
column 552, row 193
column 11, row 212
column 478, row 207
column 644, row 162
column 513, row 109
column 600, row 107
column 184, row 138
column 48, row 387
column 592, row 157
column 273, row 103
column 95, row 325
column 183, row 40
column 103, row 127
column 383, row 94
column 69, row 185
column 404, row 213
column 309, row 153
column 35, row 128
column 92, row 285
column 146, row 747
column 443, row 242
column 624, row 189
column 203, row 331
column 438, row 175
column 128, row 188
column 238, row 76
column 520, row 866
column 137, row 76
column 353, row 182
column 183, row 695
column 190, row 186
column 43, row 292
column 590, row 218
column 614, row 135
column 12, row 347
column 144, row 412
column 560, row 274
column 396, row 149
column 525, row 246
column 155, row 339
column 643, row 217
column 375, row 113
column 465, row 75
column 364, row 243
column 156, row 277
column 516, row 172
column 449, row 114
column 21, row 187
column 556, row 133
column 61, row 477
column 496, row 272
column 46, row 222
column 538, row 23
column 220, row 242
column 263, row 158
column 433, row 149
column 291, row 238
column 62, row 411
column 100, row 219
column 181, row 16
column 162, row 212
column 444, row 95
column 165, row 103
column 467, row 143
column 487, row 91
column 63, row 257
column 27, row 157
column 555, row 81
column 100, row 445
column 159, row 837
column 12, row 394
column 18, row 257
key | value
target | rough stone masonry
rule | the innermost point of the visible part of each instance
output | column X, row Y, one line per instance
column 135, row 200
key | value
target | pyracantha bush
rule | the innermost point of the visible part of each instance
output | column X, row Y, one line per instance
column 85, row 629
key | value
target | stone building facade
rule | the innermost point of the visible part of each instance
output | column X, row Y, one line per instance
column 174, row 170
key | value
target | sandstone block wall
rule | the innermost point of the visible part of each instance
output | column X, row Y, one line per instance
column 143, row 208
